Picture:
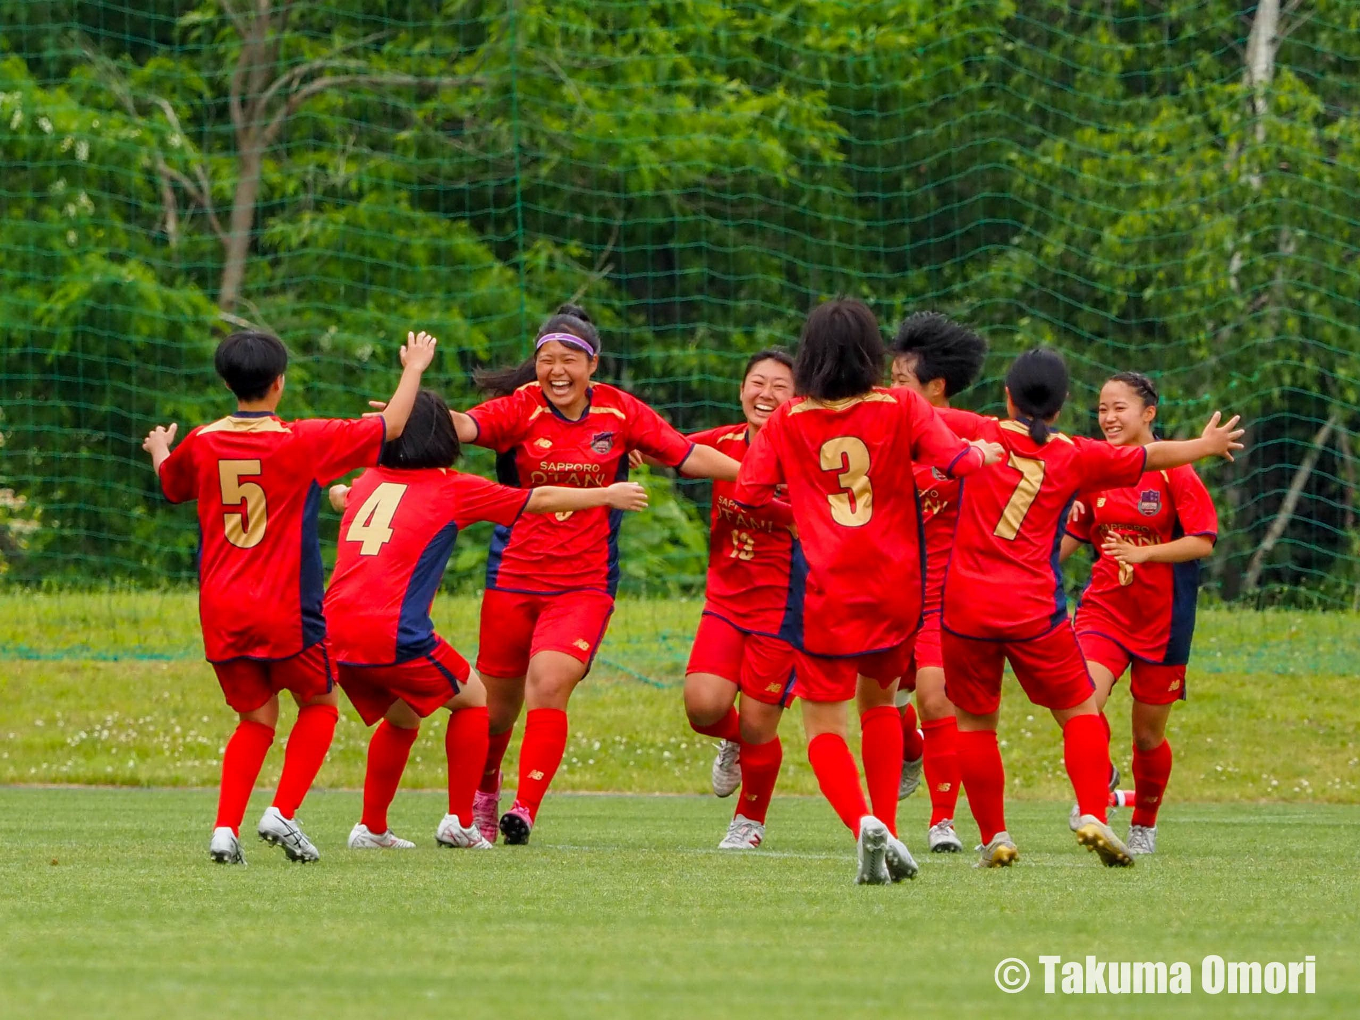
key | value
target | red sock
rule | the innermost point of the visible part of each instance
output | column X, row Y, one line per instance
column 759, row 772
column 912, row 743
column 942, row 767
column 388, row 751
column 1086, row 753
column 302, row 758
column 984, row 780
column 241, row 765
column 1151, row 771
column 881, row 749
column 465, row 744
column 545, row 741
column 495, row 754
column 836, row 774
column 726, row 728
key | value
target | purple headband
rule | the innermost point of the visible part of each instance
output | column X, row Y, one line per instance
column 565, row 338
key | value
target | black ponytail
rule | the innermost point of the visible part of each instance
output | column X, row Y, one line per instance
column 569, row 318
column 1037, row 384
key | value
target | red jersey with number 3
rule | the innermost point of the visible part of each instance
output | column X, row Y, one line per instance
column 939, row 497
column 395, row 540
column 544, row 554
column 849, row 466
column 1004, row 581
column 258, row 483
column 1146, row 608
column 750, row 552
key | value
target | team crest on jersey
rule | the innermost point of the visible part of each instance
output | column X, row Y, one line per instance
column 602, row 442
column 1149, row 502
column 938, row 475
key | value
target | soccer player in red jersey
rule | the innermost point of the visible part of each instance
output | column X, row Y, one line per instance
column 738, row 647
column 550, row 580
column 401, row 520
column 1138, row 612
column 847, row 450
column 939, row 359
column 257, row 480
column 1004, row 600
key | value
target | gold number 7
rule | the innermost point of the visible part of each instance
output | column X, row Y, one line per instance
column 1031, row 479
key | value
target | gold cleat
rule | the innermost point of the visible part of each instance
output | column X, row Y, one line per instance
column 999, row 853
column 1095, row 835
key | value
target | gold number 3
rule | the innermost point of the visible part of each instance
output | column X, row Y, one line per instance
column 372, row 525
column 1031, row 478
column 849, row 458
column 242, row 528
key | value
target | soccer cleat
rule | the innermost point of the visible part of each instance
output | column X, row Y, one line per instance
column 942, row 839
column 451, row 833
column 516, row 824
column 363, row 838
column 743, row 834
column 225, row 848
column 727, row 769
column 871, row 852
column 1117, row 799
column 999, row 853
column 901, row 864
column 911, row 777
column 284, row 833
column 1096, row 835
column 486, row 810
column 1142, row 839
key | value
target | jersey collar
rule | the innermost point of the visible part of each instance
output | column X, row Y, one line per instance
column 251, row 414
column 585, row 413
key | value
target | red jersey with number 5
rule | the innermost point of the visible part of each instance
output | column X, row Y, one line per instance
column 849, row 466
column 1147, row 608
column 1004, row 581
column 750, row 552
column 544, row 554
column 258, row 483
column 395, row 540
column 939, row 496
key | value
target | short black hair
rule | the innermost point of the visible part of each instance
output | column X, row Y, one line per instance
column 841, row 351
column 249, row 362
column 768, row 354
column 429, row 439
column 1037, row 382
column 943, row 349
column 1140, row 384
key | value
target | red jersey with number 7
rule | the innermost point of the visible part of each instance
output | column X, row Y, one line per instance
column 849, row 466
column 258, row 483
column 395, row 540
column 1004, row 581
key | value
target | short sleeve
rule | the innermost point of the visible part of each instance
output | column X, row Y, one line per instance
column 653, row 435
column 761, row 471
column 1104, row 466
column 179, row 473
column 338, row 446
column 964, row 424
column 502, row 422
column 934, row 442
column 1194, row 507
column 1079, row 524
column 477, row 499
column 709, row 437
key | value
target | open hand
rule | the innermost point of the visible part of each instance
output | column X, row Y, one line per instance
column 626, row 496
column 1223, row 438
column 419, row 351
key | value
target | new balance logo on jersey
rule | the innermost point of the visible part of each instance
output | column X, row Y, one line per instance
column 1149, row 502
column 543, row 444
column 582, row 644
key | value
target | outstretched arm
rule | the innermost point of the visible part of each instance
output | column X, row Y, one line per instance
column 1216, row 441
column 158, row 442
column 549, row 499
column 416, row 356
column 706, row 462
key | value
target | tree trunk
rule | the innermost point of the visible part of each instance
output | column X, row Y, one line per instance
column 236, row 245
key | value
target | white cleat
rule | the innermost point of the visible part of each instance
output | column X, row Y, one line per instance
column 999, row 853
column 1098, row 836
column 942, row 839
column 1142, row 839
column 743, row 834
column 225, row 848
column 362, row 838
column 901, row 864
column 727, row 769
column 285, row 833
column 452, row 833
column 911, row 777
column 871, row 851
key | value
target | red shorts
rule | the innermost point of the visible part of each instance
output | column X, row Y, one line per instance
column 760, row 665
column 516, row 626
column 825, row 679
column 1051, row 669
column 928, row 653
column 425, row 683
column 249, row 683
column 1149, row 682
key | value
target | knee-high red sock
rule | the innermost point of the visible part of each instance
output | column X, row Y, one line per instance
column 881, row 749
column 1151, row 771
column 302, row 758
column 834, row 766
column 241, row 765
column 912, row 743
column 726, row 728
column 495, row 754
column 759, row 772
column 942, row 767
column 545, row 741
column 465, row 745
column 388, row 751
column 984, row 780
column 1086, row 753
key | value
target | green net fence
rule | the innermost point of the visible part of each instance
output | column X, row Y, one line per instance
column 1169, row 187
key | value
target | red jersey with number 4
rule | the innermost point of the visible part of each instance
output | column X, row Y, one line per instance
column 750, row 552
column 939, row 496
column 395, row 540
column 849, row 466
column 1004, row 581
column 258, row 483
column 544, row 554
column 1148, row 608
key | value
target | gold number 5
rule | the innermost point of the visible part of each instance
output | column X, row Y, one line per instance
column 1031, row 478
column 242, row 528
column 849, row 458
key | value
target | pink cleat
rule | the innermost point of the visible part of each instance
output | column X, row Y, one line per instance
column 486, row 811
column 516, row 824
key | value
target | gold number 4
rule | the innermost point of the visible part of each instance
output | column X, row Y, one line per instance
column 372, row 525
column 242, row 528
column 849, row 458
column 1031, row 478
